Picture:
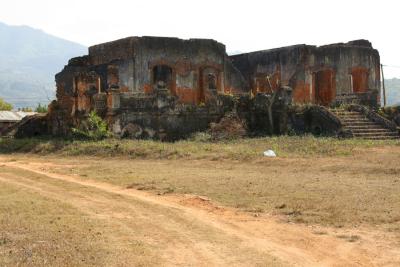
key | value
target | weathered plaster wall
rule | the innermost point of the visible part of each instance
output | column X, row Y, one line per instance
column 118, row 77
column 169, row 87
column 317, row 74
column 129, row 65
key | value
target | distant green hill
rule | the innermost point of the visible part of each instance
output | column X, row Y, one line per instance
column 29, row 59
column 392, row 91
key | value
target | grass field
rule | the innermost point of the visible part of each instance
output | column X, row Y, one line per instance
column 339, row 191
column 313, row 180
column 342, row 184
column 47, row 221
column 241, row 149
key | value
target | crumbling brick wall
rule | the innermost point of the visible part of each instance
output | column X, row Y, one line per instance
column 168, row 88
column 146, row 80
column 322, row 75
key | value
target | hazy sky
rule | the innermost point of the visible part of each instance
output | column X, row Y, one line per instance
column 241, row 25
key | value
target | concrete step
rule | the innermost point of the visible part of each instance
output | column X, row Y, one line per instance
column 351, row 116
column 378, row 137
column 361, row 123
column 362, row 127
column 373, row 131
column 354, row 119
column 347, row 113
column 375, row 134
column 358, row 122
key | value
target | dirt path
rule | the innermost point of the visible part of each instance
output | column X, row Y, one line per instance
column 191, row 231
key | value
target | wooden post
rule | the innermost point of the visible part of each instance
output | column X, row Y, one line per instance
column 383, row 87
column 98, row 85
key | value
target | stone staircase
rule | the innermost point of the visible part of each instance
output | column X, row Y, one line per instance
column 362, row 127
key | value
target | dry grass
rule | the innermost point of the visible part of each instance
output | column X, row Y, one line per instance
column 241, row 149
column 338, row 191
column 40, row 231
column 100, row 227
column 314, row 181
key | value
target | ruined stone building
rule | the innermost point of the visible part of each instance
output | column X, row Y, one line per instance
column 325, row 75
column 167, row 87
column 163, row 84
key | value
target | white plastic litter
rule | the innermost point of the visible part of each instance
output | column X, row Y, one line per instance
column 269, row 153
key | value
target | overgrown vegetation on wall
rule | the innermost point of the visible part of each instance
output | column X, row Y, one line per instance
column 94, row 128
column 391, row 113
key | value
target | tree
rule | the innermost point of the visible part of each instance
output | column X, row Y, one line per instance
column 41, row 109
column 4, row 105
column 25, row 109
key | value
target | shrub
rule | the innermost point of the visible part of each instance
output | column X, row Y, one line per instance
column 4, row 105
column 200, row 137
column 94, row 128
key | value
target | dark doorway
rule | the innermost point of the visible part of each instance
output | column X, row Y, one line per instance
column 324, row 84
column 162, row 77
column 209, row 83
